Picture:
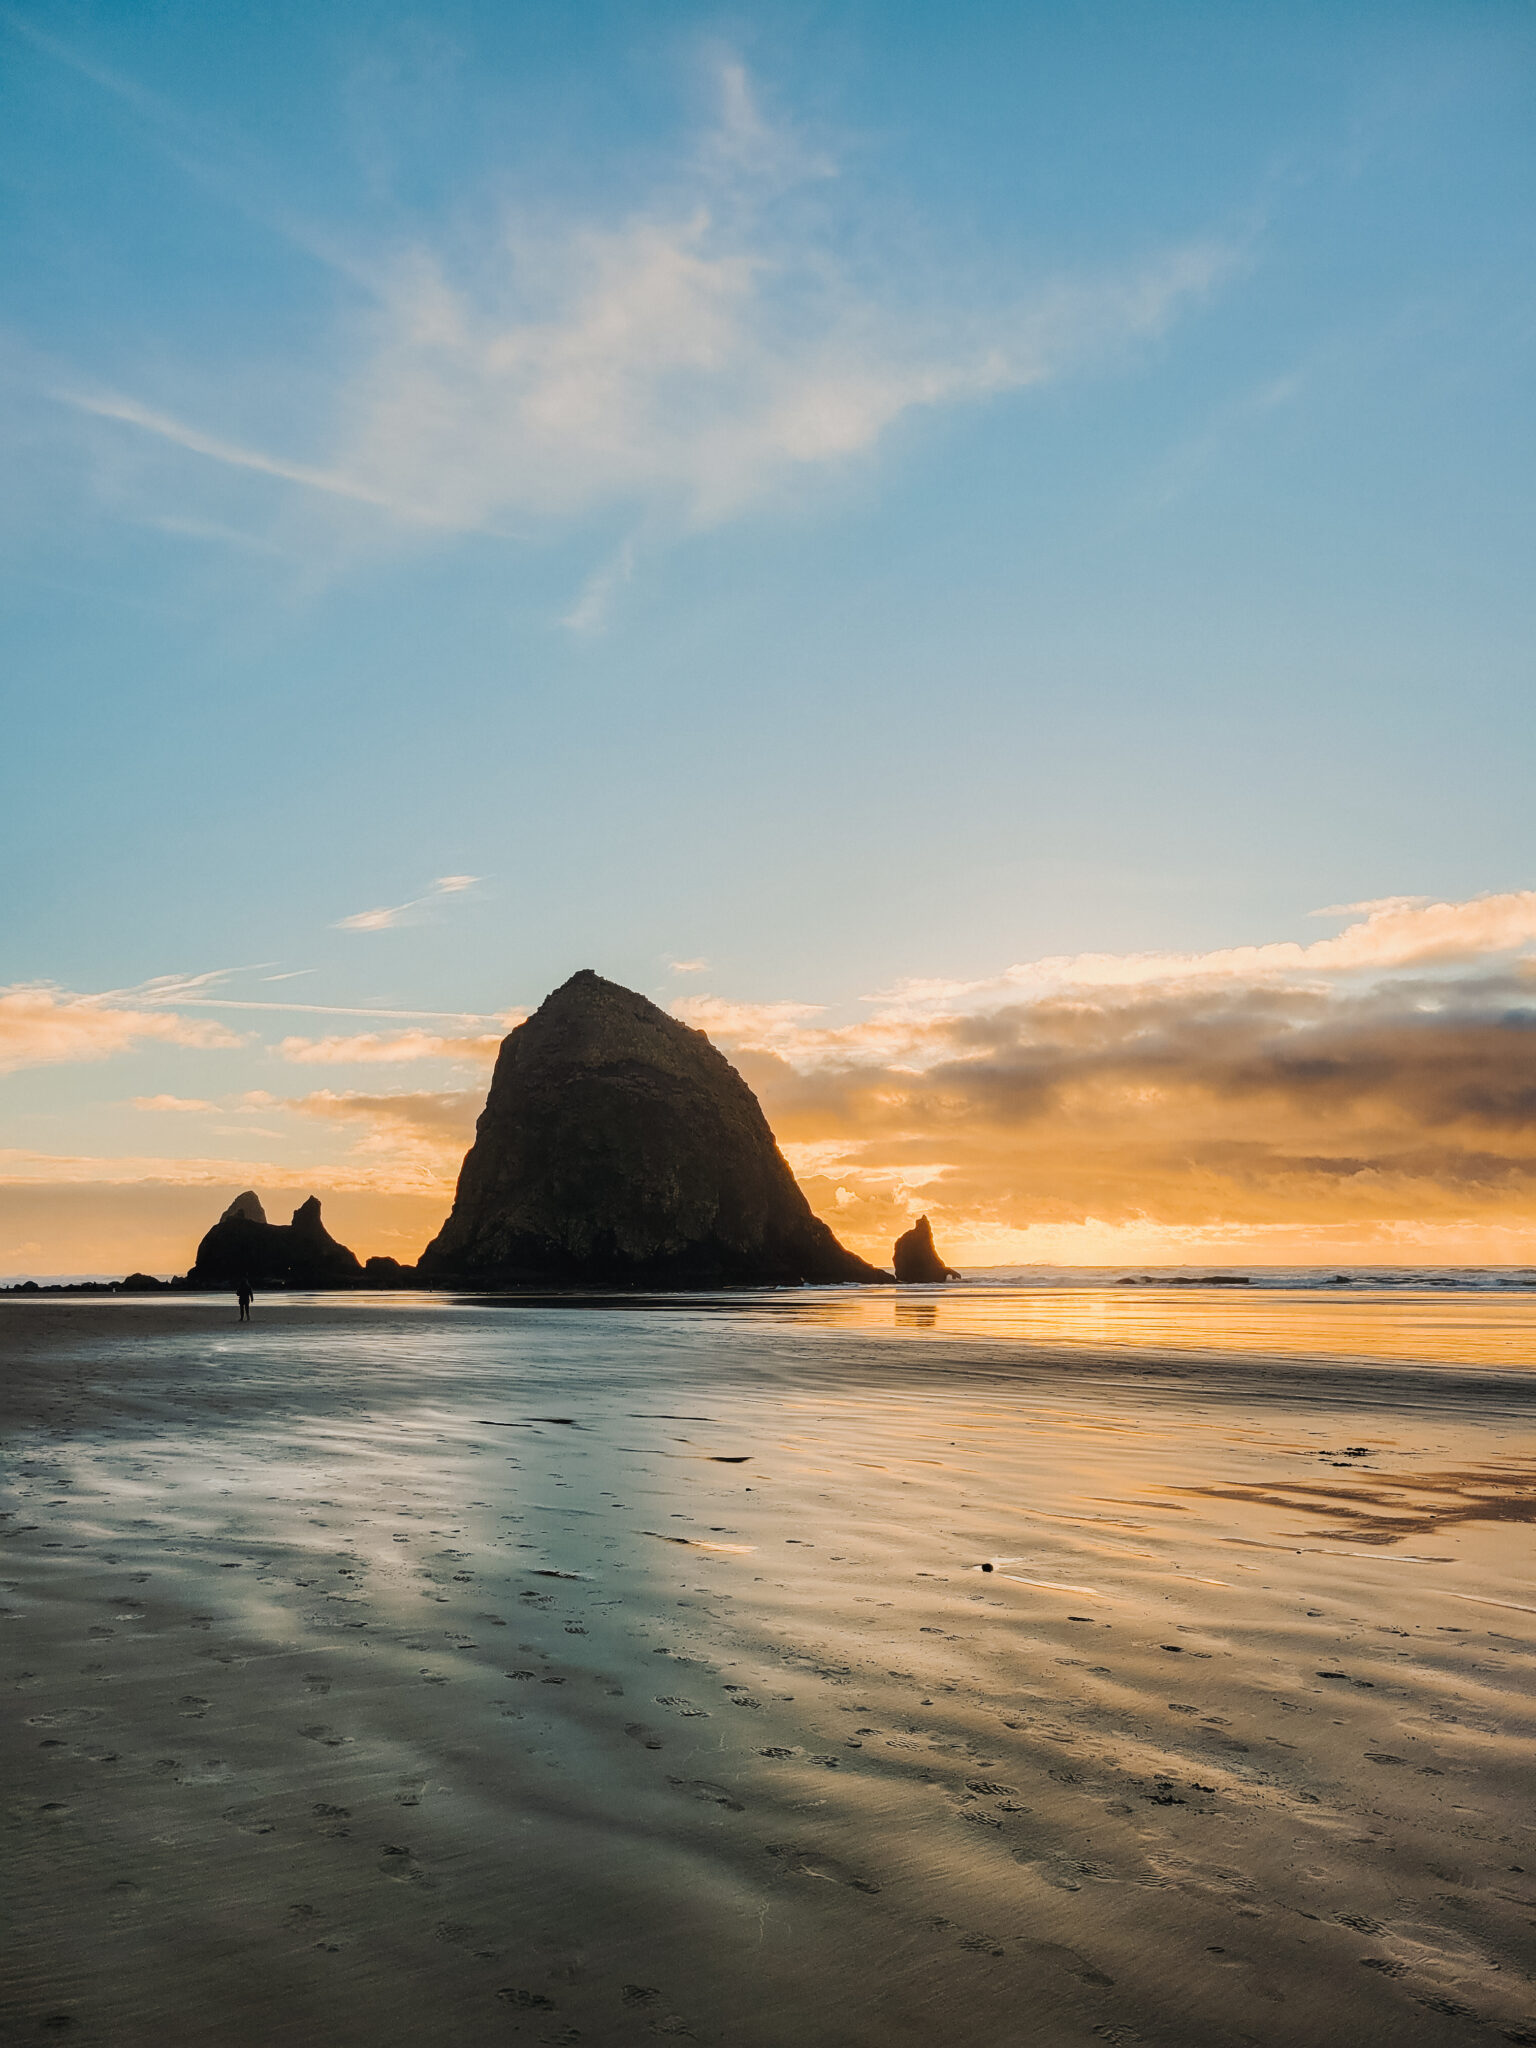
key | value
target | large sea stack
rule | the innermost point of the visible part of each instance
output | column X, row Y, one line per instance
column 243, row 1245
column 618, row 1148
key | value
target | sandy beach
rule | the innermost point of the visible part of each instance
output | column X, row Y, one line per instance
column 397, row 1670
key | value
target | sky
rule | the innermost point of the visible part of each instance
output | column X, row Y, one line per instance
column 979, row 553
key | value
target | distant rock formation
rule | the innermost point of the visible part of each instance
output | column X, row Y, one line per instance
column 618, row 1148
column 915, row 1258
column 243, row 1245
column 383, row 1271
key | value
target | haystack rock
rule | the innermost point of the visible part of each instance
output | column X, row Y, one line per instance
column 915, row 1258
column 618, row 1148
column 243, row 1245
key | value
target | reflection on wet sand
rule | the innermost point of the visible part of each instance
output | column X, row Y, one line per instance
column 1400, row 1323
column 381, row 1673
column 1403, row 1504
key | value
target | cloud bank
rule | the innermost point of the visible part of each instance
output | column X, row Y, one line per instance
column 1375, row 1086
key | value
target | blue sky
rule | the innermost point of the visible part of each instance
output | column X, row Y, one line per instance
column 844, row 495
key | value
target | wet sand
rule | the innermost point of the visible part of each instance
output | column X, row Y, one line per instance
column 401, row 1672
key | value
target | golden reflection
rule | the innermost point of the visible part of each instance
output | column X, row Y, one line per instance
column 917, row 1315
column 1420, row 1324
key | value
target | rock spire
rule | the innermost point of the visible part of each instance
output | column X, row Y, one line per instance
column 915, row 1257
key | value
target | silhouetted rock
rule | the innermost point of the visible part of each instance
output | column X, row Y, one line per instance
column 618, row 1148
column 243, row 1245
column 142, row 1283
column 383, row 1271
column 914, row 1256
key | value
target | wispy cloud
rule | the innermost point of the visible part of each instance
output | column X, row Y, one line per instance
column 202, row 146
column 689, row 966
column 590, row 611
column 685, row 363
column 358, row 1172
column 195, row 991
column 399, row 913
column 670, row 363
column 108, row 406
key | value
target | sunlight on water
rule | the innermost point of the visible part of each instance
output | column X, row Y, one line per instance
column 1475, row 1318
column 1425, row 1326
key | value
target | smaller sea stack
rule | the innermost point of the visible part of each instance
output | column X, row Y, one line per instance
column 243, row 1245
column 915, row 1258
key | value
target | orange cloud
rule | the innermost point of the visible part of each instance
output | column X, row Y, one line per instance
column 1400, row 1112
column 418, row 1138
column 370, row 1048
column 39, row 1026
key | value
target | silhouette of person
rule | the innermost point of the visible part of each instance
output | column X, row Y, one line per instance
column 245, row 1297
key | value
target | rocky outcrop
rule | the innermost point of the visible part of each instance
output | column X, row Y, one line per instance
column 383, row 1271
column 243, row 1245
column 915, row 1258
column 618, row 1148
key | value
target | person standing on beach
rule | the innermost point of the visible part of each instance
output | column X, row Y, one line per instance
column 245, row 1297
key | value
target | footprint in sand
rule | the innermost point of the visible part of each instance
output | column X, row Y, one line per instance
column 458, row 1935
column 681, row 1706
column 250, row 1820
column 704, row 1788
column 1061, row 1873
column 813, row 1863
column 401, row 1867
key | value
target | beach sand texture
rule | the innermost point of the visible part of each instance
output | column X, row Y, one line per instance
column 393, row 1671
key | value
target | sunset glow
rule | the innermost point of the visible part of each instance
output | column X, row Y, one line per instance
column 982, row 568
